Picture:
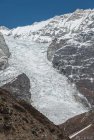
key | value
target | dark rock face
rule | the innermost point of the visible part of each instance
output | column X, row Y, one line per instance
column 3, row 46
column 20, row 121
column 80, row 127
column 4, row 53
column 19, row 87
column 54, row 46
column 75, row 59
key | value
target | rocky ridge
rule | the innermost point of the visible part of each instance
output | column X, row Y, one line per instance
column 64, row 26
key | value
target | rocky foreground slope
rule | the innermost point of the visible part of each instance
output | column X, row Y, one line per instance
column 80, row 127
column 20, row 121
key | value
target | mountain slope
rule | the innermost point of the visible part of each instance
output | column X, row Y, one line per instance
column 19, row 120
column 60, row 26
column 73, row 55
column 72, row 31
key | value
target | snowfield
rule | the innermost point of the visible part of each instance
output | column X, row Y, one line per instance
column 51, row 93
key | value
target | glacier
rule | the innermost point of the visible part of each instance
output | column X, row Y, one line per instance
column 52, row 94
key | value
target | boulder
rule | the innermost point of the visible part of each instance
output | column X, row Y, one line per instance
column 19, row 87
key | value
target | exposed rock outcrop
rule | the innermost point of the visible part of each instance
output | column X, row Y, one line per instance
column 20, row 121
column 4, row 53
column 54, row 46
column 76, row 62
column 19, row 87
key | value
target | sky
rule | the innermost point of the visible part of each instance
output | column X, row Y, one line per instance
column 14, row 13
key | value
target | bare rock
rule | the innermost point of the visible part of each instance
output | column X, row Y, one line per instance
column 4, row 53
column 20, row 121
column 80, row 127
column 19, row 87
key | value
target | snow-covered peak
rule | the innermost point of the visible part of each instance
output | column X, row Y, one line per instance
column 30, row 28
column 56, row 27
column 4, row 30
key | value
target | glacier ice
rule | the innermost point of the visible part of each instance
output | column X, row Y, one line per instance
column 51, row 92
